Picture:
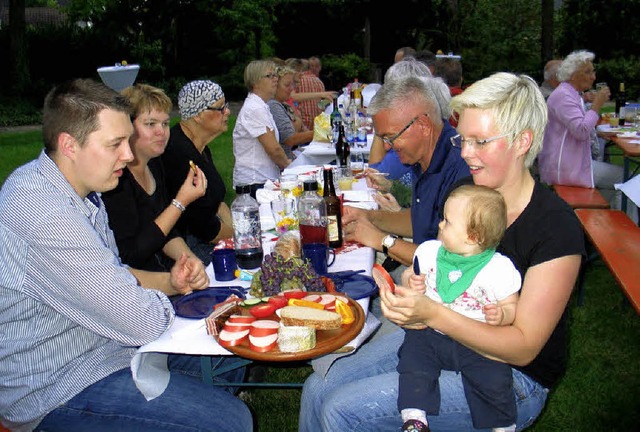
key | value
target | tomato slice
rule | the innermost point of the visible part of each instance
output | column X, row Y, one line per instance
column 278, row 301
column 295, row 294
column 262, row 310
column 383, row 278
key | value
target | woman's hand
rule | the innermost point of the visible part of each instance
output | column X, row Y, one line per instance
column 193, row 187
column 600, row 98
column 407, row 307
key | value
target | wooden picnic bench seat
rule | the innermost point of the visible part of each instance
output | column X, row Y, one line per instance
column 579, row 197
column 616, row 238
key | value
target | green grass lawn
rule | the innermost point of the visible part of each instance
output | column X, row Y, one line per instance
column 600, row 392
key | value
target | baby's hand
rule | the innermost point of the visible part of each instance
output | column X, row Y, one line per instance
column 416, row 283
column 493, row 314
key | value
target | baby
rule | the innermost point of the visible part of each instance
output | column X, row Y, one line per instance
column 463, row 271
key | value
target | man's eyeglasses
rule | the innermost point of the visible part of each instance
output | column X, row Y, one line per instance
column 221, row 109
column 459, row 141
column 390, row 140
column 271, row 75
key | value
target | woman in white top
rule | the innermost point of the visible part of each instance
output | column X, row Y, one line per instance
column 256, row 147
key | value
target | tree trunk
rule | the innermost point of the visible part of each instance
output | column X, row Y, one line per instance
column 19, row 66
column 547, row 31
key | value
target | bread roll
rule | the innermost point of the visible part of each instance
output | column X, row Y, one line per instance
column 304, row 316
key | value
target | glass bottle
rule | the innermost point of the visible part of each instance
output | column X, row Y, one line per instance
column 621, row 102
column 342, row 148
column 247, row 233
column 334, row 214
column 312, row 215
column 336, row 120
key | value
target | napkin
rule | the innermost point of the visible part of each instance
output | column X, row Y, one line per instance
column 357, row 195
column 321, row 365
column 265, row 196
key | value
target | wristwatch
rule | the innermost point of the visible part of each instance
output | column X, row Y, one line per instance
column 387, row 243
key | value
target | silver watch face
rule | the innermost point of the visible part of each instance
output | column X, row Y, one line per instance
column 389, row 241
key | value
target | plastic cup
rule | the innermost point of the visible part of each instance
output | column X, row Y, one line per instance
column 224, row 264
column 345, row 178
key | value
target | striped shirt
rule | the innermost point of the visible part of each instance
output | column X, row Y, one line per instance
column 70, row 312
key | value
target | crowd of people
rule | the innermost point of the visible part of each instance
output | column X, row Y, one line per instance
column 119, row 212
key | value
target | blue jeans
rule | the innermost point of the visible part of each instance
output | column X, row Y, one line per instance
column 360, row 393
column 115, row 404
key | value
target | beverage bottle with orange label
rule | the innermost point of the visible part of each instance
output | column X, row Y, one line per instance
column 334, row 215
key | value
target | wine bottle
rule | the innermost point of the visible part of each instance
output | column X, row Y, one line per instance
column 342, row 148
column 621, row 102
column 334, row 215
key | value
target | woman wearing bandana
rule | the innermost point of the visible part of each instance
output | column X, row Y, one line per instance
column 204, row 116
column 462, row 271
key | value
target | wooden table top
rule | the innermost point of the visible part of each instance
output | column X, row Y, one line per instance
column 619, row 248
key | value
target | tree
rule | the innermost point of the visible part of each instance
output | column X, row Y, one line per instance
column 19, row 64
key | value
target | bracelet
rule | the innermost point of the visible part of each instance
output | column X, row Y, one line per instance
column 178, row 205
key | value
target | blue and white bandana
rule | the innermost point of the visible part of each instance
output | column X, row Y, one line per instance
column 197, row 96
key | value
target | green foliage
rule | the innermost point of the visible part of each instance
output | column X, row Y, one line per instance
column 17, row 112
column 342, row 69
column 499, row 35
column 618, row 70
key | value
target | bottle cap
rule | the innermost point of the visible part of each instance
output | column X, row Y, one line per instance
column 310, row 185
column 243, row 189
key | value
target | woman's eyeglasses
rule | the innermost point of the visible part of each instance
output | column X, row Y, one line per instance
column 459, row 141
column 221, row 109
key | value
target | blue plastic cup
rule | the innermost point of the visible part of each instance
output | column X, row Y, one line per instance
column 224, row 264
column 320, row 255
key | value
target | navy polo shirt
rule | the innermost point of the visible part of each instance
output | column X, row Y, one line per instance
column 431, row 186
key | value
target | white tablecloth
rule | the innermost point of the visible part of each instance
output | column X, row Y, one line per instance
column 322, row 153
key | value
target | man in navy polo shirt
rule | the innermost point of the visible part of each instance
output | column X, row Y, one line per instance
column 407, row 117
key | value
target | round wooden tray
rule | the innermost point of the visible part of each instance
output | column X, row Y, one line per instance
column 327, row 341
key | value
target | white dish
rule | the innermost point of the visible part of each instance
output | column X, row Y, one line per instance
column 302, row 169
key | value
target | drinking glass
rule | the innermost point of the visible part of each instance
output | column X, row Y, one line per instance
column 357, row 163
column 284, row 214
column 289, row 185
column 345, row 178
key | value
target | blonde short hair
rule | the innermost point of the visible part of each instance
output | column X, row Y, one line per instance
column 516, row 103
column 486, row 214
column 255, row 71
column 144, row 98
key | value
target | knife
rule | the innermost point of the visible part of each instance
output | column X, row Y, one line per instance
column 416, row 266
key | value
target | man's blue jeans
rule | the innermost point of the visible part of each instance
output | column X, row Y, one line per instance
column 115, row 404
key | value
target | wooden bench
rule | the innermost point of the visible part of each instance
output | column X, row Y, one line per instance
column 617, row 239
column 579, row 197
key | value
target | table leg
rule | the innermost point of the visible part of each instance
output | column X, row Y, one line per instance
column 625, row 177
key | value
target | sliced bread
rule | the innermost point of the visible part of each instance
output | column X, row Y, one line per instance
column 304, row 316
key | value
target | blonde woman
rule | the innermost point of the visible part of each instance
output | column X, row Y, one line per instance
column 256, row 140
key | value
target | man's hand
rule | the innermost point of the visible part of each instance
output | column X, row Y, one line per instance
column 387, row 202
column 356, row 226
column 188, row 274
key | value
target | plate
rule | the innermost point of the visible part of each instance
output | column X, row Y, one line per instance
column 356, row 286
column 327, row 341
column 302, row 169
column 199, row 304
